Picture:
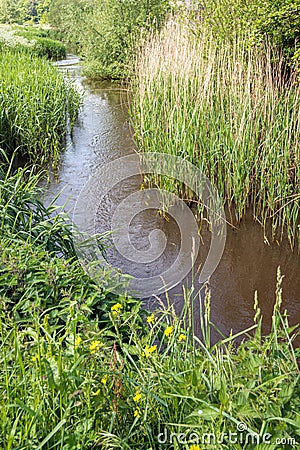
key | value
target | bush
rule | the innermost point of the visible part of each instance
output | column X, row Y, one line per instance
column 41, row 44
column 49, row 48
column 32, row 40
column 107, row 33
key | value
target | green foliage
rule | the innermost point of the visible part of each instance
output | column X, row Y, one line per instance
column 35, row 104
column 38, row 255
column 82, row 386
column 107, row 33
column 25, row 219
column 21, row 11
column 49, row 48
column 40, row 44
column 276, row 20
column 33, row 40
column 281, row 21
column 230, row 110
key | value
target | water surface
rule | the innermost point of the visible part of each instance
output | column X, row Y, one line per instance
column 102, row 134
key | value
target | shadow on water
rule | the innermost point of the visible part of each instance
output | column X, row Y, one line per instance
column 103, row 134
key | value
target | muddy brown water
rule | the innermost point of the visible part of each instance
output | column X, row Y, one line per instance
column 102, row 134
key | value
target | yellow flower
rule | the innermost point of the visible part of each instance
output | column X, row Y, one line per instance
column 96, row 393
column 116, row 308
column 104, row 379
column 182, row 337
column 168, row 331
column 148, row 350
column 34, row 358
column 151, row 319
column 137, row 413
column 137, row 397
column 194, row 447
column 94, row 346
column 78, row 341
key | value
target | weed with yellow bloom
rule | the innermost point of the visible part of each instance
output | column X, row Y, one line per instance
column 151, row 319
column 95, row 345
column 78, row 341
column 116, row 308
column 149, row 350
column 168, row 331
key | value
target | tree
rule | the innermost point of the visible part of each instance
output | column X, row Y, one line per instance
column 21, row 11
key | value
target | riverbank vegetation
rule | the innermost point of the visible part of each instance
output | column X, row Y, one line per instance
column 231, row 110
column 82, row 368
column 24, row 11
column 36, row 105
column 36, row 41
column 106, row 33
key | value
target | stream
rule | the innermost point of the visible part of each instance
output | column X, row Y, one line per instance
column 102, row 133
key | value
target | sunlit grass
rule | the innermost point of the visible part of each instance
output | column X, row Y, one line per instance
column 36, row 105
column 33, row 40
column 85, row 385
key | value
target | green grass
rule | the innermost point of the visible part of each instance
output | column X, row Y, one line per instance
column 24, row 218
column 37, row 41
column 36, row 105
column 230, row 110
column 85, row 385
column 83, row 369
column 41, row 44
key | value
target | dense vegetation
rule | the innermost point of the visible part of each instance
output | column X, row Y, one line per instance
column 35, row 104
column 276, row 20
column 41, row 44
column 21, row 11
column 85, row 386
column 238, row 120
column 37, row 41
column 82, row 368
column 106, row 33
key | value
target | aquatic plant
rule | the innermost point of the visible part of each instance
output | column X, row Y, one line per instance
column 24, row 217
column 36, row 106
column 232, row 111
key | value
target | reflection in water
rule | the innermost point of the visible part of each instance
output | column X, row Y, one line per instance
column 248, row 264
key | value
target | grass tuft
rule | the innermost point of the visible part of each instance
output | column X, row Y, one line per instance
column 36, row 106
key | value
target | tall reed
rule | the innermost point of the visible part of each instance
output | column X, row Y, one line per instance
column 230, row 110
column 36, row 103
